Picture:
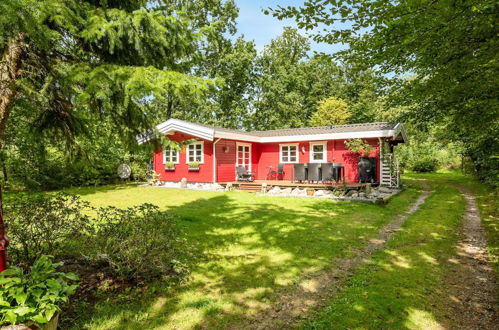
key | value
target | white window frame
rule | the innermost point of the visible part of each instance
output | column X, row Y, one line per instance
column 187, row 152
column 170, row 152
column 324, row 152
column 250, row 155
column 296, row 145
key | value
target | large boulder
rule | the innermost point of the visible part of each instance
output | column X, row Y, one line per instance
column 183, row 183
column 286, row 191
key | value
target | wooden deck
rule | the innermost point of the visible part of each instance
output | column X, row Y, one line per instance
column 257, row 185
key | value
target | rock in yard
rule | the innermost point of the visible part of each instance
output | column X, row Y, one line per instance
column 286, row 191
column 319, row 193
column 275, row 191
column 385, row 190
column 183, row 183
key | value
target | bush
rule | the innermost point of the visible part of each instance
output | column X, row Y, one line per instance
column 34, row 297
column 45, row 224
column 426, row 164
column 140, row 242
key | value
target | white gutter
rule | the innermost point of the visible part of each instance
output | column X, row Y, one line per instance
column 215, row 161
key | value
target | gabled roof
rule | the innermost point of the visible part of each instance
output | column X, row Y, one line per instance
column 329, row 132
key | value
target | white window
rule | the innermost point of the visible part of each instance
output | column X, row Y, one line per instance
column 170, row 155
column 195, row 152
column 318, row 152
column 288, row 153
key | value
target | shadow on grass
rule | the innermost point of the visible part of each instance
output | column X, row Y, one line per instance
column 89, row 190
column 246, row 254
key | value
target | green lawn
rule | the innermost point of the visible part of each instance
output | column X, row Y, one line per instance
column 251, row 249
column 404, row 285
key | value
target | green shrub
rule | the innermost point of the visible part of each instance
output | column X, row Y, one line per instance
column 426, row 164
column 140, row 242
column 33, row 297
column 45, row 224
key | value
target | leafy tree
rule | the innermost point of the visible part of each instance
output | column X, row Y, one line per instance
column 449, row 46
column 279, row 96
column 331, row 111
column 67, row 62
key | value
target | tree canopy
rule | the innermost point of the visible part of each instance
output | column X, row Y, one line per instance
column 332, row 111
column 441, row 55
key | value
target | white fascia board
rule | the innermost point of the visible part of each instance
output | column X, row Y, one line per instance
column 327, row 136
column 171, row 125
column 239, row 137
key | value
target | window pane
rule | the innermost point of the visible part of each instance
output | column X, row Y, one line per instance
column 318, row 156
column 318, row 148
column 198, row 146
column 293, row 159
column 292, row 148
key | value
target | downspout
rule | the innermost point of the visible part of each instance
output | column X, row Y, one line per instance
column 380, row 160
column 215, row 161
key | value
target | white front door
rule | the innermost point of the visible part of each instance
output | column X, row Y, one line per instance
column 243, row 155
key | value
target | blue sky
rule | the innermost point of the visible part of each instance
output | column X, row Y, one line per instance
column 263, row 28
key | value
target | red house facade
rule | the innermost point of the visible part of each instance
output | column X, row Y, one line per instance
column 217, row 152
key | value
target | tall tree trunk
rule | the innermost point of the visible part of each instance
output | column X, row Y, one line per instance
column 10, row 71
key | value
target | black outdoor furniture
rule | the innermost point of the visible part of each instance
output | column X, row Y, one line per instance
column 326, row 172
column 300, row 172
column 243, row 174
column 367, row 169
column 337, row 171
column 279, row 173
column 313, row 172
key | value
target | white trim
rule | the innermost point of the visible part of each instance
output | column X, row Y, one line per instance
column 250, row 154
column 289, row 145
column 215, row 160
column 209, row 134
column 173, row 149
column 187, row 151
column 324, row 151
column 236, row 136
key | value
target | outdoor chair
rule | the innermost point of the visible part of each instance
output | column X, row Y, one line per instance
column 278, row 173
column 243, row 174
column 327, row 172
column 313, row 172
column 300, row 172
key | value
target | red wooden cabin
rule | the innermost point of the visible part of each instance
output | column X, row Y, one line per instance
column 219, row 150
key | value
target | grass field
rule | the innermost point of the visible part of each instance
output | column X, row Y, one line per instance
column 403, row 285
column 252, row 248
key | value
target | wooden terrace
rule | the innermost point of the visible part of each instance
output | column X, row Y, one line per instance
column 256, row 185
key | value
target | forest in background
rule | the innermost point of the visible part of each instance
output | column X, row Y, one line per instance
column 53, row 141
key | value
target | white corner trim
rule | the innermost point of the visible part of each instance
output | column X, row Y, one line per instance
column 324, row 151
column 214, row 156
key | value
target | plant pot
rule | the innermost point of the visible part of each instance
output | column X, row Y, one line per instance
column 193, row 169
column 367, row 169
column 169, row 168
column 52, row 324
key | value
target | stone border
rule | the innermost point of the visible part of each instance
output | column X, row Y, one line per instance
column 378, row 195
column 368, row 194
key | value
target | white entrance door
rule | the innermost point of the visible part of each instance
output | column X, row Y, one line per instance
column 243, row 155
